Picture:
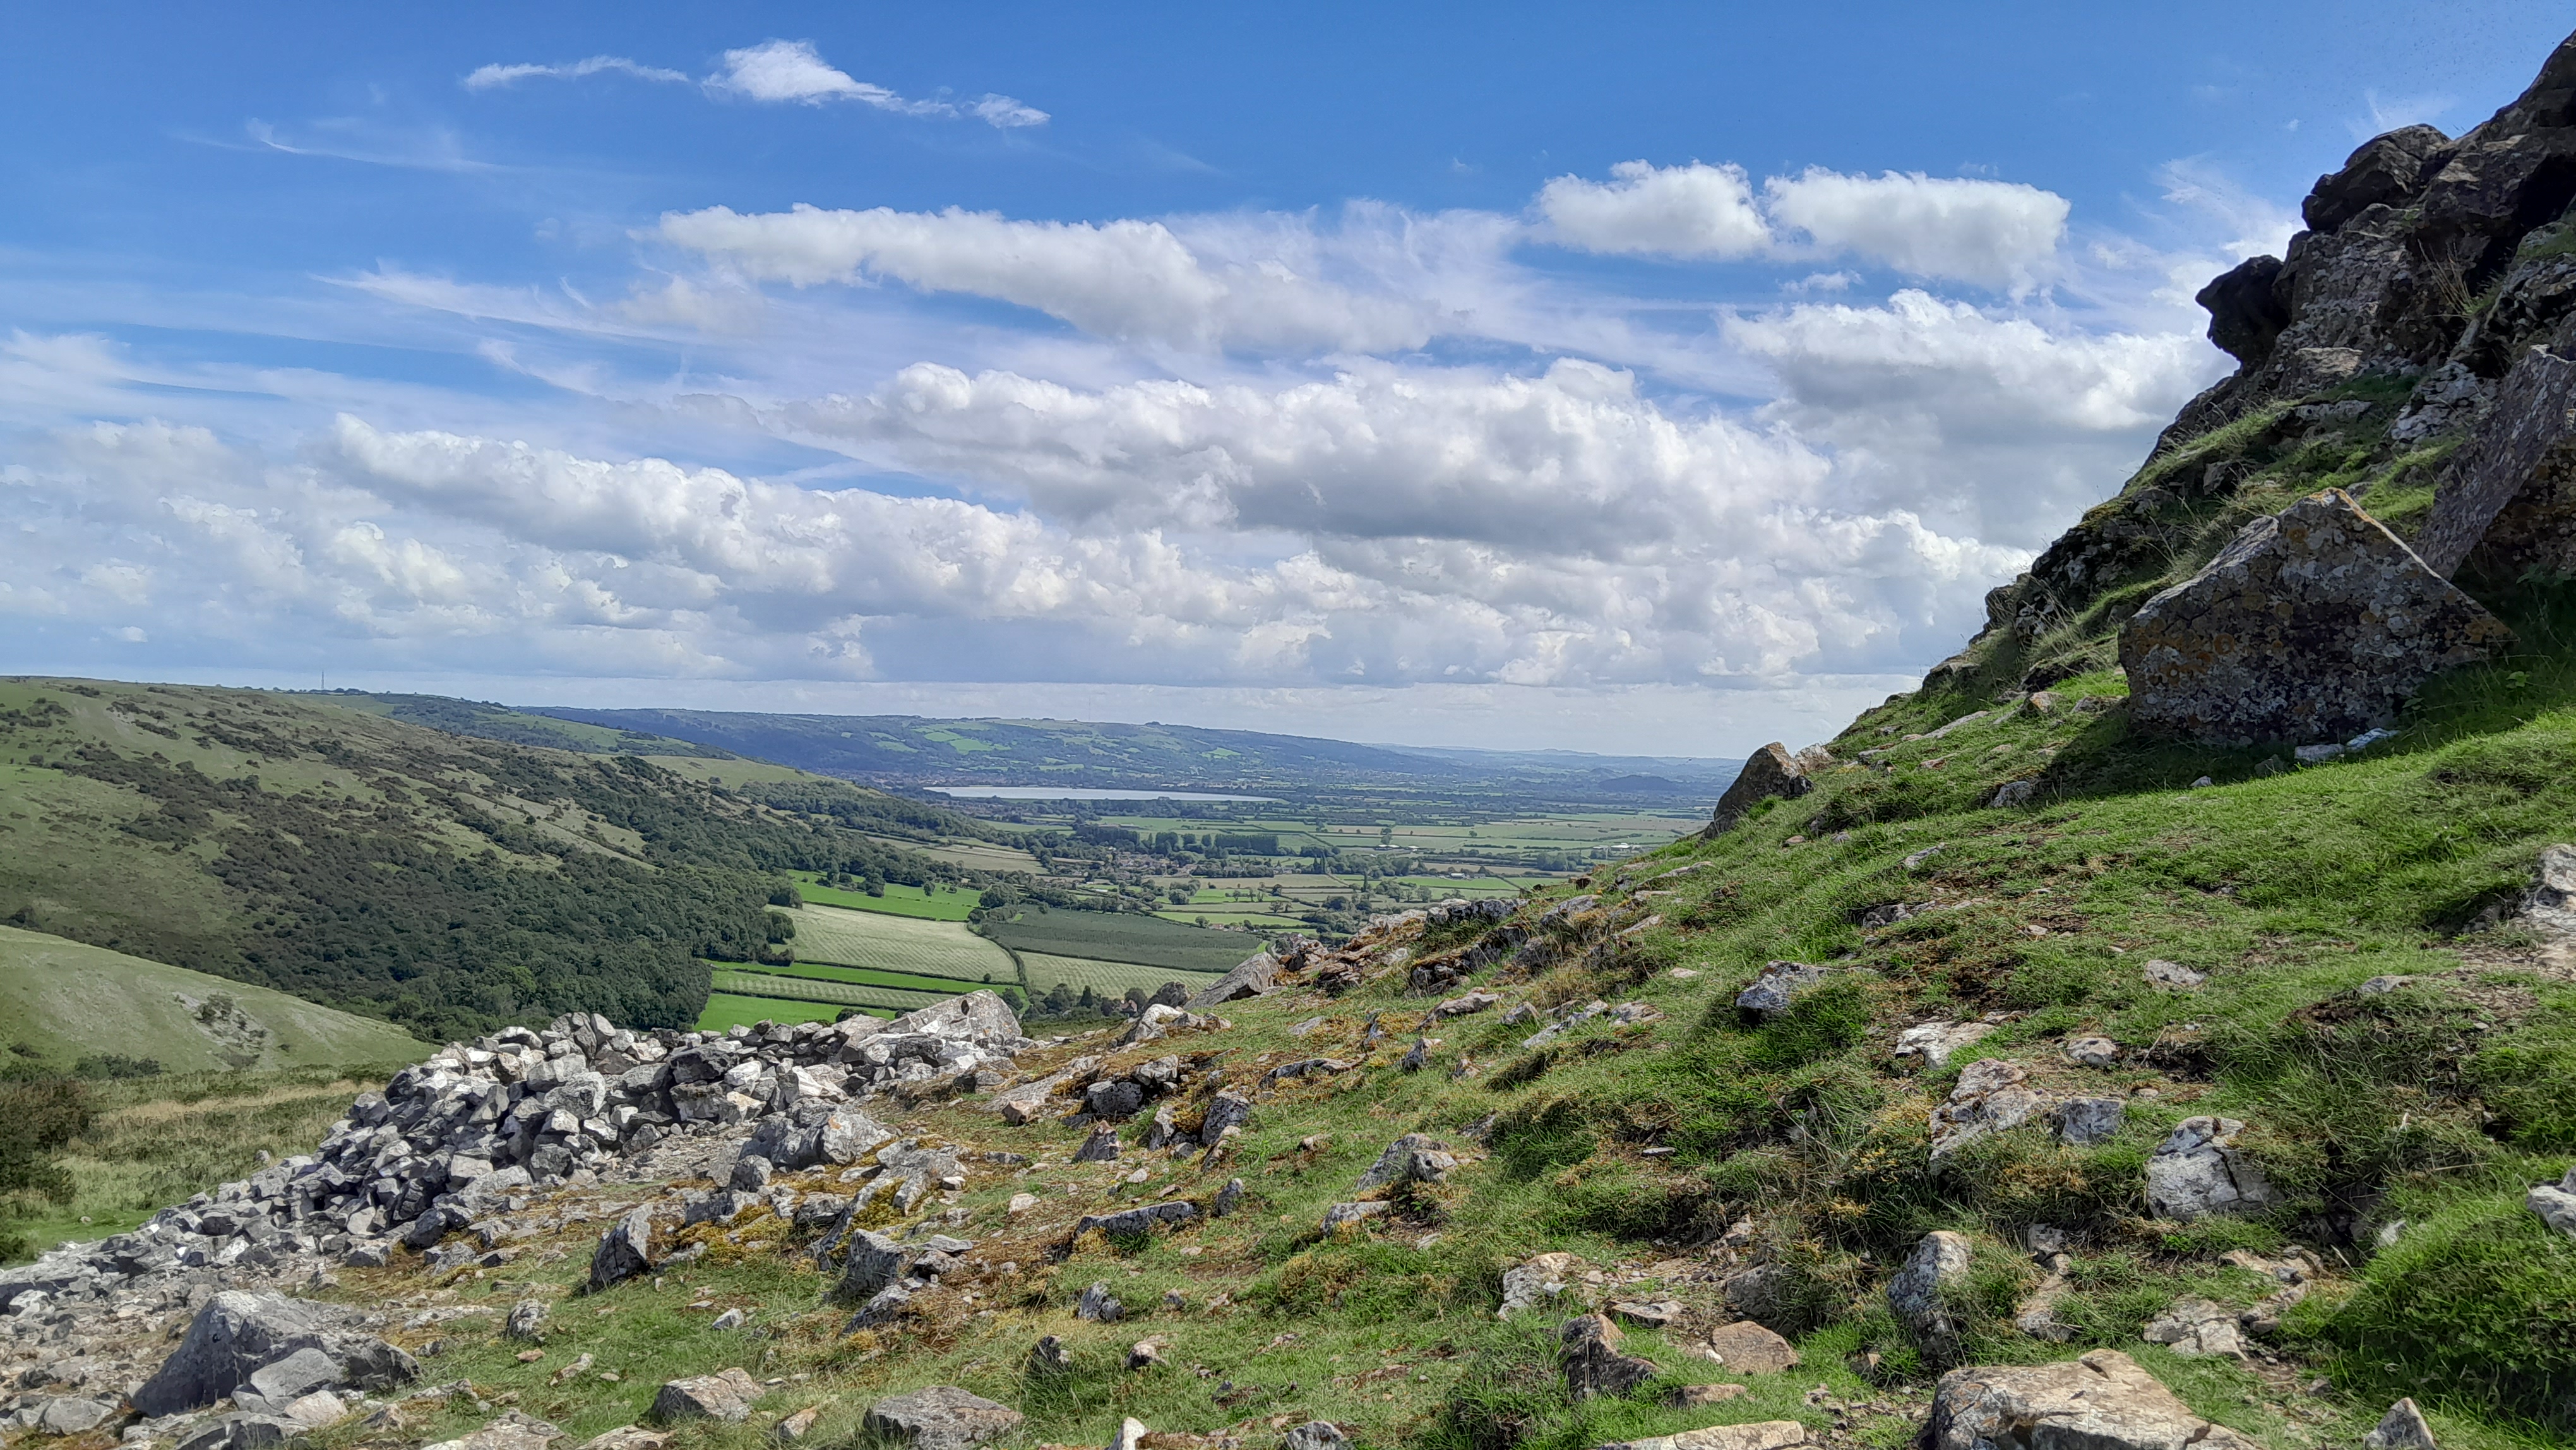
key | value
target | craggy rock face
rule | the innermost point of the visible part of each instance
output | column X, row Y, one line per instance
column 2313, row 625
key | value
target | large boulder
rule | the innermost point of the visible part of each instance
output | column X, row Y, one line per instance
column 978, row 1016
column 941, row 1417
column 1254, row 976
column 2314, row 624
column 2102, row 1401
column 236, row 1335
column 1772, row 774
column 2198, row 1171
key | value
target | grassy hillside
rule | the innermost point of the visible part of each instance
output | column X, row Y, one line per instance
column 447, row 883
column 67, row 1001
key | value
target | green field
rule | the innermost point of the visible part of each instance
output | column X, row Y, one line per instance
column 724, row 1010
column 899, row 900
column 813, row 989
column 1118, row 937
column 1106, row 978
column 67, row 1000
column 876, row 977
column 897, row 944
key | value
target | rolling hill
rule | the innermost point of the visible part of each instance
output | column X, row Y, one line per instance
column 317, row 847
column 67, row 1001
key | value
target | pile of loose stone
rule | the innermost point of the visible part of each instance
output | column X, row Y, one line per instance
column 454, row 1149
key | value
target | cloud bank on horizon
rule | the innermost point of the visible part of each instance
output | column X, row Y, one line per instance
column 1663, row 424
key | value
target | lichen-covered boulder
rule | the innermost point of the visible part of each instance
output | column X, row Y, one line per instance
column 2314, row 624
column 2507, row 504
column 2198, row 1171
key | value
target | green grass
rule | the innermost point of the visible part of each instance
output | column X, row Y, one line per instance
column 896, row 944
column 725, row 1010
column 159, row 1140
column 909, row 981
column 66, row 1000
column 806, row 989
column 899, row 900
column 1120, row 937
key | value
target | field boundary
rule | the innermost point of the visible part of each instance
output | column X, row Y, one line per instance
column 829, row 993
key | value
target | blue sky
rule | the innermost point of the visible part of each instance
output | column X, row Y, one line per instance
column 1662, row 382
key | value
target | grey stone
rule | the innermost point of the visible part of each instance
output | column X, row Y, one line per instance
column 1536, row 1281
column 1914, row 1294
column 1413, row 1158
column 2092, row 1051
column 1255, row 976
column 941, row 1417
column 1100, row 1147
column 1118, row 1099
column 1778, row 987
column 527, row 1319
column 2402, row 1428
column 2198, row 1171
column 1142, row 1219
column 1228, row 1109
column 1990, row 1098
column 871, row 1262
column 2102, row 1401
column 1748, row 1348
column 1351, row 1215
column 1647, row 1313
column 2085, row 1122
column 978, row 1016
column 1590, row 1350
column 512, row 1431
column 2555, row 1203
column 2173, row 976
column 241, row 1432
column 294, row 1377
column 2550, row 906
column 2195, row 1328
column 235, row 1334
column 1935, row 1042
column 2505, row 506
column 1226, row 1198
column 73, row 1415
column 1772, row 774
column 625, row 1251
column 1098, row 1306
column 1755, row 1435
column 1315, row 1435
column 726, row 1395
column 2316, row 622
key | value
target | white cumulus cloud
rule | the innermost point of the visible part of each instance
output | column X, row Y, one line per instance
column 1997, row 234
column 793, row 70
column 1675, row 211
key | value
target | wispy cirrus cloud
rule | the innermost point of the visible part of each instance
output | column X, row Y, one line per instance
column 494, row 77
column 777, row 72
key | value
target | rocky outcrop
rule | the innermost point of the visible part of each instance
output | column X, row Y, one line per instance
column 1413, row 1158
column 1778, row 987
column 2507, row 504
column 1772, row 774
column 2314, row 624
column 2102, row 1401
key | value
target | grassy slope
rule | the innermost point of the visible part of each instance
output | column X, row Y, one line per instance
column 68, row 1000
column 2435, row 1104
